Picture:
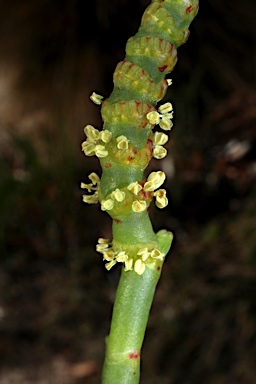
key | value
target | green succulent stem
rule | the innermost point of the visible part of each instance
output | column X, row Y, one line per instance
column 130, row 315
column 124, row 147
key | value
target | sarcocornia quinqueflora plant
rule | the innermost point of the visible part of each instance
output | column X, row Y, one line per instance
column 124, row 147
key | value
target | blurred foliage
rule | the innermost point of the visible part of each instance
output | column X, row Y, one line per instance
column 55, row 296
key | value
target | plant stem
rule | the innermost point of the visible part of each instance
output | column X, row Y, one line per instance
column 130, row 315
column 125, row 146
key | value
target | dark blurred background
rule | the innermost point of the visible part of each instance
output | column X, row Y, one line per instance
column 55, row 295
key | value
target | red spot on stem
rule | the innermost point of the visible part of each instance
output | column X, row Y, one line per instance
column 108, row 165
column 134, row 355
column 161, row 69
column 117, row 221
column 158, row 268
column 189, row 9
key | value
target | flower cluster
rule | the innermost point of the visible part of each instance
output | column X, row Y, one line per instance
column 138, row 264
column 92, row 187
column 154, row 181
column 91, row 146
column 163, row 117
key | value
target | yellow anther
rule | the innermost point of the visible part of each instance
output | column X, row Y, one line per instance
column 97, row 99
column 105, row 136
column 89, row 187
column 101, row 247
column 94, row 178
column 93, row 199
column 155, row 179
column 101, row 240
column 118, row 195
column 160, row 138
column 134, row 187
column 107, row 205
column 139, row 206
column 128, row 265
column 156, row 254
column 159, row 152
column 122, row 142
column 109, row 265
column 153, row 117
column 169, row 82
column 160, row 193
column 88, row 148
column 121, row 257
column 165, row 108
column 108, row 255
column 166, row 124
column 139, row 266
column 92, row 133
column 161, row 202
column 100, row 151
column 144, row 253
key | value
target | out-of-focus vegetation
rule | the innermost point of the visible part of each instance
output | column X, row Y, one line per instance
column 55, row 296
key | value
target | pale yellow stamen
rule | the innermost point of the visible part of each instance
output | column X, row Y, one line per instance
column 161, row 199
column 101, row 247
column 169, row 82
column 118, row 195
column 97, row 99
column 139, row 206
column 109, row 265
column 165, row 108
column 121, row 257
column 128, row 264
column 108, row 255
column 105, row 136
column 161, row 202
column 153, row 117
column 107, row 205
column 88, row 148
column 139, row 267
column 122, row 142
column 92, row 133
column 156, row 254
column 89, row 187
column 160, row 138
column 155, row 179
column 160, row 193
column 102, row 240
column 166, row 124
column 144, row 253
column 134, row 187
column 94, row 178
column 100, row 151
column 159, row 152
column 91, row 199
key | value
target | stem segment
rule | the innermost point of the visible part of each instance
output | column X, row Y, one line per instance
column 130, row 315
